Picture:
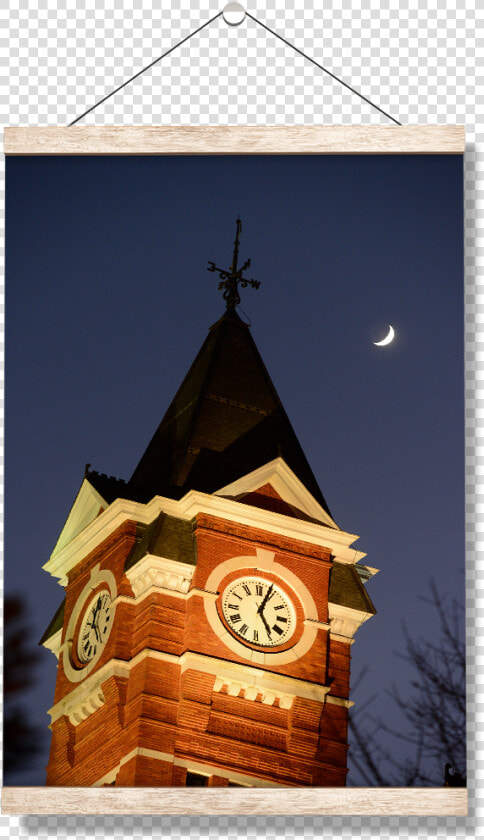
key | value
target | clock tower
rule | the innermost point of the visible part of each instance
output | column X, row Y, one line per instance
column 211, row 601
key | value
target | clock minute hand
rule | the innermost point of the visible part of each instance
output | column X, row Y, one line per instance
column 95, row 625
column 268, row 629
column 264, row 602
column 97, row 629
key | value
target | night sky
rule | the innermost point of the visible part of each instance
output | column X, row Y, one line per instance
column 108, row 301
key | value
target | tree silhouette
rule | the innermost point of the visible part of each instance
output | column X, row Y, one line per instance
column 434, row 712
column 21, row 739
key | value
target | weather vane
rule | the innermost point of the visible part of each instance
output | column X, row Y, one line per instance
column 229, row 280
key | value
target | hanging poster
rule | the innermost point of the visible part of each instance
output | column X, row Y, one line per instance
column 235, row 496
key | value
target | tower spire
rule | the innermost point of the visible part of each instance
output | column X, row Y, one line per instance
column 235, row 258
column 229, row 280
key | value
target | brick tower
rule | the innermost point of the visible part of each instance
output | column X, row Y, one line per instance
column 211, row 600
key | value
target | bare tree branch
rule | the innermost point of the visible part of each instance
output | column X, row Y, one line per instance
column 434, row 711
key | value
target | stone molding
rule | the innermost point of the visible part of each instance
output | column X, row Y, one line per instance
column 159, row 573
column 344, row 621
column 194, row 502
column 54, row 643
column 79, row 705
column 84, row 709
column 266, row 682
column 339, row 701
column 247, row 691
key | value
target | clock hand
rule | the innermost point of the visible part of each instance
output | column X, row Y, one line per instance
column 95, row 619
column 94, row 627
column 268, row 629
column 264, row 602
column 96, row 610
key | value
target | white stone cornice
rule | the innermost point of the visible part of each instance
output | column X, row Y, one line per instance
column 339, row 701
column 90, row 688
column 82, row 702
column 235, row 688
column 193, row 503
column 173, row 593
column 344, row 621
column 337, row 541
column 280, row 685
column 153, row 572
column 82, row 711
column 233, row 673
column 53, row 643
column 320, row 625
column 119, row 512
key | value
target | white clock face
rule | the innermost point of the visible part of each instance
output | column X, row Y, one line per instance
column 95, row 627
column 258, row 611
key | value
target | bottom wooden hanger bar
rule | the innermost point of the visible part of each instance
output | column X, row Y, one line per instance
column 307, row 801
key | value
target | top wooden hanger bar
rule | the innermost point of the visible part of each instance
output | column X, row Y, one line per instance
column 236, row 140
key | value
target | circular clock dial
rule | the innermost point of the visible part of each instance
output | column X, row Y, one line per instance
column 258, row 611
column 95, row 626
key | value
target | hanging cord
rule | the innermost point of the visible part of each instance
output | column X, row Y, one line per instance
column 267, row 28
column 147, row 67
column 322, row 68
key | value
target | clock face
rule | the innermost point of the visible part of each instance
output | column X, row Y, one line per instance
column 95, row 627
column 258, row 611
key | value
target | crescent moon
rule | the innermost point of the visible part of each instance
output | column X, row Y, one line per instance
column 388, row 338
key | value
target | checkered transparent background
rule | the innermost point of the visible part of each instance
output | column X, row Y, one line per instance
column 419, row 62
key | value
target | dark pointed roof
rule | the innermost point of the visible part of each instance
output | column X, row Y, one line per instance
column 225, row 421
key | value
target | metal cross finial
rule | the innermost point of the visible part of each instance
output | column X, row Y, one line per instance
column 229, row 280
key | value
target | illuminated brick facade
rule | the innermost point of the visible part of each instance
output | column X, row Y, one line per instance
column 157, row 684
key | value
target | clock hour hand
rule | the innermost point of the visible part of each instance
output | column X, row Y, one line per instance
column 95, row 619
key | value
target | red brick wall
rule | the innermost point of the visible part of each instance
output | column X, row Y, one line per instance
column 160, row 708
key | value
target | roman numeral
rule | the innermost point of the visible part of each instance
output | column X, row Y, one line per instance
column 256, row 636
column 277, row 629
column 232, row 606
column 235, row 617
column 243, row 629
column 281, row 618
column 236, row 596
column 258, row 589
column 246, row 589
column 279, row 607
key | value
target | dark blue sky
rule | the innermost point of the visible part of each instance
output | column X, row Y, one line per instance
column 108, row 301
